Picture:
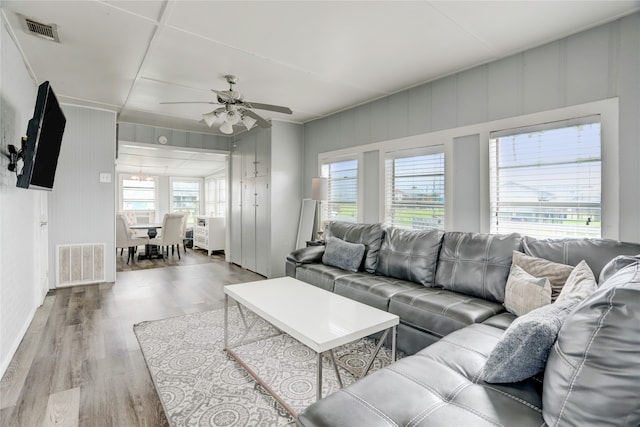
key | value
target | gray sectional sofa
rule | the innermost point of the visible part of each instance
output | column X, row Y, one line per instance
column 448, row 289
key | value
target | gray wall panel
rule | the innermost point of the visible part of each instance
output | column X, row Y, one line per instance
column 419, row 106
column 443, row 103
column 543, row 72
column 362, row 124
column 398, row 115
column 588, row 58
column 472, row 96
column 466, row 192
column 504, row 88
column 371, row 166
column 380, row 120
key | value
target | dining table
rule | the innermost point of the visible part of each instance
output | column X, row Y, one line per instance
column 150, row 250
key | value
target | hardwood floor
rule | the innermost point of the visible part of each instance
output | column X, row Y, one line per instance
column 79, row 363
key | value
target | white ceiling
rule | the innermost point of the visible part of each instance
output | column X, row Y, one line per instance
column 316, row 57
column 146, row 159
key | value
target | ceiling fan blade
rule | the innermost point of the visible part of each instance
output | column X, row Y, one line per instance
column 222, row 95
column 190, row 102
column 269, row 107
column 261, row 122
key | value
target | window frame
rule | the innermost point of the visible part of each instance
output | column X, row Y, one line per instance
column 123, row 176
column 549, row 227
column 405, row 153
column 221, row 208
column 327, row 159
column 200, row 181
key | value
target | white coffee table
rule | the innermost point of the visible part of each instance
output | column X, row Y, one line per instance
column 319, row 319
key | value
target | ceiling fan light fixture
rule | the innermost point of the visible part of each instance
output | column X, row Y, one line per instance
column 248, row 122
column 210, row 118
column 232, row 117
column 226, row 128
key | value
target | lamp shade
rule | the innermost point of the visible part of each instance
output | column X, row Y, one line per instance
column 226, row 128
column 248, row 121
column 210, row 118
column 232, row 117
column 319, row 188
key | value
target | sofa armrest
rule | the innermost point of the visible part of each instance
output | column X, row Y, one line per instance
column 310, row 255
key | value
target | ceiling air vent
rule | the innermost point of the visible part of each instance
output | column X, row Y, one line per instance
column 46, row 31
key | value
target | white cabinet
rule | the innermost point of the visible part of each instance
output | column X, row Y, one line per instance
column 209, row 233
column 267, row 170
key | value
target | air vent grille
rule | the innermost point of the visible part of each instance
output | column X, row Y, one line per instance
column 47, row 31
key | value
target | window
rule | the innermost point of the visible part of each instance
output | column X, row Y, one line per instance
column 545, row 180
column 185, row 197
column 414, row 189
column 342, row 190
column 216, row 196
column 138, row 193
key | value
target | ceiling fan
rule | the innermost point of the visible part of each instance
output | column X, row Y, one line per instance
column 234, row 109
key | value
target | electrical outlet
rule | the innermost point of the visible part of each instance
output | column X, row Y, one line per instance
column 105, row 177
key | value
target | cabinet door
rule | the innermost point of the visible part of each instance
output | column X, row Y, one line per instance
column 248, row 151
column 263, row 231
column 262, row 158
column 235, row 218
column 249, row 224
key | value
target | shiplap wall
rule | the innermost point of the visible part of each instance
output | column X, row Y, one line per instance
column 594, row 65
column 19, row 208
column 81, row 208
column 176, row 138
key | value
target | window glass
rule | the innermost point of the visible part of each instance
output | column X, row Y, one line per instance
column 342, row 191
column 546, row 180
column 216, row 197
column 138, row 194
column 414, row 191
column 185, row 197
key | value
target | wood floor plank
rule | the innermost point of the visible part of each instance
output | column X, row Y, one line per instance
column 80, row 364
column 63, row 409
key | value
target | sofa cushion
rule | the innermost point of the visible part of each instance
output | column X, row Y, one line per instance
column 438, row 386
column 524, row 348
column 410, row 255
column 370, row 235
column 501, row 320
column 344, row 255
column 539, row 267
column 580, row 284
column 439, row 311
column 592, row 377
column 476, row 264
column 371, row 290
column 320, row 275
column 596, row 252
column 525, row 292
column 615, row 265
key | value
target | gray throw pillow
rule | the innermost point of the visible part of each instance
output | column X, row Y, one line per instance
column 580, row 284
column 540, row 267
column 341, row 254
column 524, row 348
column 524, row 292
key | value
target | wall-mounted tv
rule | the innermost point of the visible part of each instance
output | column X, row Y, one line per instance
column 41, row 148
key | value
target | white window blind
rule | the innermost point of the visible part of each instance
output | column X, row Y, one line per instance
column 216, row 197
column 342, row 191
column 414, row 189
column 546, row 180
column 185, row 197
column 138, row 193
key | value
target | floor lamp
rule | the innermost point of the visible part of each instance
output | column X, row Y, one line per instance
column 319, row 194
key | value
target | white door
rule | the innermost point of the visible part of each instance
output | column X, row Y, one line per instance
column 235, row 218
column 249, row 224
column 262, row 242
column 43, row 248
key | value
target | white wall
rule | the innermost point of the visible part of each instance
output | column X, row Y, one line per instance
column 19, row 209
column 81, row 208
column 594, row 65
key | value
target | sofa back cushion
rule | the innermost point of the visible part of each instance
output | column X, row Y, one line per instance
column 476, row 264
column 596, row 252
column 370, row 235
column 410, row 255
column 592, row 377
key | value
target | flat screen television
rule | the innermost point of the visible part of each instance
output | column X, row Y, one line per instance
column 42, row 146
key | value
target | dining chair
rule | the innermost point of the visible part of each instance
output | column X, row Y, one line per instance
column 172, row 233
column 125, row 238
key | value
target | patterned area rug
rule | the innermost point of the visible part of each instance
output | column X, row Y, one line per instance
column 199, row 384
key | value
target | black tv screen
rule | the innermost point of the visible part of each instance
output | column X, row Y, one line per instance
column 44, row 137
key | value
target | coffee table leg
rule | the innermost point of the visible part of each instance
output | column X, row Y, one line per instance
column 226, row 321
column 393, row 344
column 319, row 378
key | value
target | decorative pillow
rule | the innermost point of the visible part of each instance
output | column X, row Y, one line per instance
column 525, row 292
column 344, row 255
column 580, row 284
column 540, row 267
column 524, row 348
